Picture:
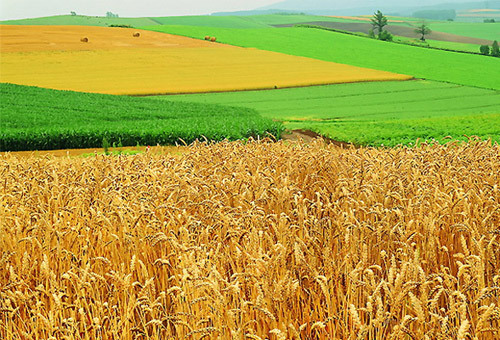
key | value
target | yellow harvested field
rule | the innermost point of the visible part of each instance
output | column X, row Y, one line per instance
column 253, row 241
column 483, row 10
column 115, row 62
column 15, row 38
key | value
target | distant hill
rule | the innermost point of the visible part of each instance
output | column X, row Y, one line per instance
column 82, row 20
column 258, row 12
column 363, row 7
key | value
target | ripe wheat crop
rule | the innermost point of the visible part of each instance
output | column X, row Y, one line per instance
column 254, row 240
column 113, row 61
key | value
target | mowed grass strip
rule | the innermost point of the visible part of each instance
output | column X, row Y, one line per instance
column 388, row 113
column 197, row 66
column 41, row 119
column 459, row 68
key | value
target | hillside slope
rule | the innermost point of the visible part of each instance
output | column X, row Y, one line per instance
column 459, row 68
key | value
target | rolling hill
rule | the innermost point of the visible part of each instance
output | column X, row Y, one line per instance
column 459, row 68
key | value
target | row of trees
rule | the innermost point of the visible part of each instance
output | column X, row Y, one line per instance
column 108, row 14
column 494, row 51
column 379, row 21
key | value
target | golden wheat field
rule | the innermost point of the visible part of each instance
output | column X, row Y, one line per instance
column 113, row 61
column 254, row 240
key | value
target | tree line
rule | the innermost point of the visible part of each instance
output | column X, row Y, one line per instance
column 494, row 51
column 379, row 21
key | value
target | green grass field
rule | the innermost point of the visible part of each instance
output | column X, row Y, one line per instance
column 41, row 119
column 252, row 21
column 278, row 19
column 388, row 113
column 449, row 45
column 81, row 20
column 481, row 30
column 459, row 68
column 213, row 21
column 490, row 31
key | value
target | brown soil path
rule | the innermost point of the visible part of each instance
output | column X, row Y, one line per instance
column 90, row 151
column 308, row 136
column 290, row 135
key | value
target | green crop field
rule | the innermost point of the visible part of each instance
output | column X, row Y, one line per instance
column 41, row 119
column 280, row 19
column 251, row 21
column 459, row 68
column 213, row 21
column 449, row 45
column 481, row 30
column 490, row 31
column 375, row 113
column 81, row 20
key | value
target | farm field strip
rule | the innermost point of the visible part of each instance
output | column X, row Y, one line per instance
column 251, row 21
column 81, row 20
column 362, row 18
column 480, row 30
column 401, row 111
column 98, row 151
column 68, row 38
column 174, row 65
column 455, row 46
column 41, row 119
column 459, row 68
column 490, row 31
column 212, row 21
column 399, row 31
column 253, row 240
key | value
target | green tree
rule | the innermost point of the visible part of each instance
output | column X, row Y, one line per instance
column 379, row 21
column 385, row 36
column 495, row 51
column 484, row 49
column 423, row 30
column 111, row 15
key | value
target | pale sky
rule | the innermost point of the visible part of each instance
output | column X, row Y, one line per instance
column 17, row 9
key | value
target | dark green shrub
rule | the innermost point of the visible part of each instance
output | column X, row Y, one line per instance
column 385, row 36
column 484, row 49
column 495, row 51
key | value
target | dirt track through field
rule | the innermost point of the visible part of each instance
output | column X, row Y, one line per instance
column 308, row 136
column 290, row 135
column 171, row 150
column 402, row 31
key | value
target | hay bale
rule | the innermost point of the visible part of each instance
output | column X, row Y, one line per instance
column 137, row 35
column 84, row 39
column 213, row 39
column 207, row 37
